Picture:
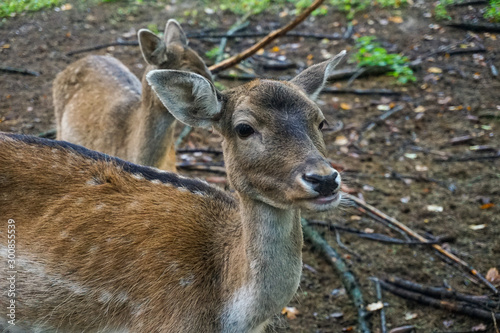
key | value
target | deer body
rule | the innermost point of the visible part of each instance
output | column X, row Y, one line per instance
column 104, row 245
column 101, row 105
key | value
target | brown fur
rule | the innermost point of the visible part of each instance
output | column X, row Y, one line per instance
column 98, row 102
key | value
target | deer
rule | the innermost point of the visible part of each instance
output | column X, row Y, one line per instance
column 101, row 105
column 105, row 245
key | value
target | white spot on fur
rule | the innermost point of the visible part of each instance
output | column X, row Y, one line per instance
column 182, row 189
column 186, row 281
column 100, row 206
column 105, row 297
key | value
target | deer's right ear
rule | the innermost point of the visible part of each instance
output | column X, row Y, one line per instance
column 188, row 96
column 150, row 46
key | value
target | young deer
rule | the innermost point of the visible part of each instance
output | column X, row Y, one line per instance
column 104, row 245
column 99, row 105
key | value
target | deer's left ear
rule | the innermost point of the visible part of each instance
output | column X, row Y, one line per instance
column 312, row 80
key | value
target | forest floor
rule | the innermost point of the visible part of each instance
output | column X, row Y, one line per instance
column 452, row 108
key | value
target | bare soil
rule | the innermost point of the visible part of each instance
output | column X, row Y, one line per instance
column 456, row 95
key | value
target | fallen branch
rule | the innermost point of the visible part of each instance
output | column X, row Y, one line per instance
column 469, row 3
column 103, row 46
column 370, row 236
column 486, row 27
column 262, row 34
column 13, row 70
column 379, row 119
column 383, row 92
column 242, row 23
column 443, row 293
column 463, row 308
column 265, row 41
column 346, row 73
column 348, row 279
column 468, row 158
column 368, row 208
column 378, row 292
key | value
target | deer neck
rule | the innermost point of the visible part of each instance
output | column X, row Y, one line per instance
column 271, row 245
column 152, row 130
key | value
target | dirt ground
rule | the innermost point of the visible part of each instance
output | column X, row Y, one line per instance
column 454, row 96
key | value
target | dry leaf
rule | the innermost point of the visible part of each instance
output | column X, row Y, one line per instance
column 435, row 208
column 421, row 168
column 275, row 49
column 419, row 109
column 477, row 226
column 435, row 70
column 369, row 230
column 411, row 156
column 345, row 106
column 403, row 329
column 487, row 205
column 6, row 46
column 479, row 328
column 493, row 276
column 290, row 312
column 374, row 306
column 67, row 6
column 410, row 316
column 396, row 19
column 341, row 140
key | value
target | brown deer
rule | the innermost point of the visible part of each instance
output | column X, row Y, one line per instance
column 99, row 105
column 104, row 245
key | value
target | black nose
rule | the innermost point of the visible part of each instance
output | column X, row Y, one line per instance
column 324, row 185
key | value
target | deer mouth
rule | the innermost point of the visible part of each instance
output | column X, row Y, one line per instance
column 321, row 202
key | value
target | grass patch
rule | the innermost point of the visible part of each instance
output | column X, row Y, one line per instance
column 13, row 7
column 371, row 54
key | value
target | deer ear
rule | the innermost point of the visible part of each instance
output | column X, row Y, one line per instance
column 151, row 46
column 174, row 33
column 312, row 80
column 188, row 96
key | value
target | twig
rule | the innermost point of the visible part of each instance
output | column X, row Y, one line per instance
column 450, row 187
column 443, row 293
column 265, row 41
column 464, row 51
column 343, row 246
column 468, row 3
column 184, row 133
column 261, row 34
column 50, row 134
column 494, row 321
column 414, row 234
column 242, row 23
column 487, row 27
column 468, row 158
column 381, row 118
column 378, row 292
column 345, row 73
column 103, row 46
column 370, row 236
column 13, row 70
column 463, row 308
column 383, row 92
column 347, row 277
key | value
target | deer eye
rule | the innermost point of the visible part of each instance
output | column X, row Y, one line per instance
column 244, row 130
column 322, row 124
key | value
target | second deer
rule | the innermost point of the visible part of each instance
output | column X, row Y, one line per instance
column 99, row 104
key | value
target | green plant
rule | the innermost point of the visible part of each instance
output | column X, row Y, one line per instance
column 371, row 54
column 493, row 11
column 440, row 12
column 244, row 6
column 11, row 7
column 154, row 28
column 212, row 53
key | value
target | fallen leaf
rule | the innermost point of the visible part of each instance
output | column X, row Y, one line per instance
column 448, row 323
column 434, row 208
column 6, row 46
column 383, row 107
column 260, row 51
column 374, row 306
column 410, row 316
column 369, row 230
column 336, row 315
column 434, row 70
column 368, row 188
column 66, row 6
column 341, row 140
column 275, row 49
column 396, row 19
column 479, row 328
column 405, row 199
column 493, row 276
column 419, row 109
column 355, row 217
column 421, row 168
column 403, row 329
column 290, row 312
column 487, row 205
column 345, row 106
column 411, row 156
column 477, row 226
